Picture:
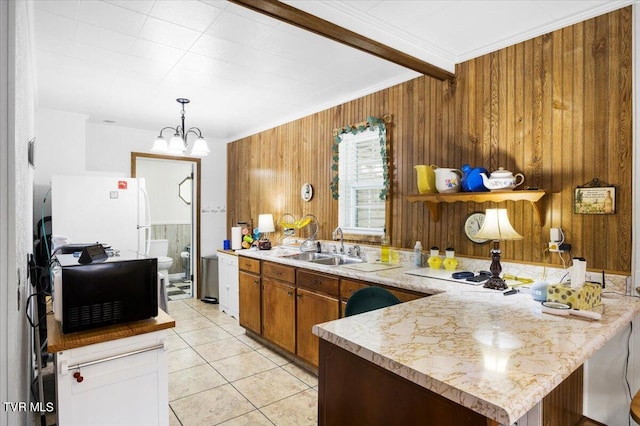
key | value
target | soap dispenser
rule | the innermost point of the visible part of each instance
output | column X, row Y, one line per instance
column 417, row 253
column 450, row 262
column 384, row 247
column 434, row 260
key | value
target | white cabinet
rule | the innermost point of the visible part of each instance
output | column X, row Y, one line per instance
column 123, row 381
column 228, row 278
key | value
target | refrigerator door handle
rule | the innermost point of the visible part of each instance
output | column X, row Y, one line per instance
column 147, row 220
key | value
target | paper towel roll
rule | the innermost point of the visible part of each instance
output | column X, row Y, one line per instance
column 236, row 238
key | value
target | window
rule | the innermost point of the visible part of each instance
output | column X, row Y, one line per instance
column 361, row 185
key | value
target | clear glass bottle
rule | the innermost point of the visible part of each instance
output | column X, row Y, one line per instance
column 384, row 247
column 450, row 262
column 434, row 260
column 417, row 254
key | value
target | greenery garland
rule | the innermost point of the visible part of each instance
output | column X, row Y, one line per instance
column 382, row 131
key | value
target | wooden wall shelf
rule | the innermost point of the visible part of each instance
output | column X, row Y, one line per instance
column 432, row 201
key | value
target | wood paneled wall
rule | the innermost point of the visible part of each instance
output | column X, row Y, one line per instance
column 557, row 108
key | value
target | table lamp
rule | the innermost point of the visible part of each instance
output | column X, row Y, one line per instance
column 496, row 227
column 265, row 225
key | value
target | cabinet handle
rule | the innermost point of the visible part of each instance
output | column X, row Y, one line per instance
column 278, row 273
column 78, row 366
column 316, row 282
column 289, row 293
column 256, row 282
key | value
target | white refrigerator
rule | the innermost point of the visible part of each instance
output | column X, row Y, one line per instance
column 108, row 210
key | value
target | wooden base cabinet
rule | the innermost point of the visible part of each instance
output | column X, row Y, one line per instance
column 278, row 308
column 352, row 391
column 279, row 305
column 250, row 293
column 317, row 302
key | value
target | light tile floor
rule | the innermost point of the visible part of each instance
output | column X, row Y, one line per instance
column 218, row 375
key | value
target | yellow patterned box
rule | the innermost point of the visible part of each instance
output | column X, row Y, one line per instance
column 587, row 297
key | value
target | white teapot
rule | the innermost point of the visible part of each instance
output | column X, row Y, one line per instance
column 501, row 180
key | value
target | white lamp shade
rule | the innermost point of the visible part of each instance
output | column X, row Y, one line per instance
column 496, row 226
column 176, row 145
column 160, row 145
column 200, row 148
column 265, row 223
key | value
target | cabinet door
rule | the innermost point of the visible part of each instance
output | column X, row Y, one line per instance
column 278, row 313
column 126, row 389
column 250, row 302
column 313, row 308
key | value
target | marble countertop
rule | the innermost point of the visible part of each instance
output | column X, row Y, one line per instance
column 497, row 355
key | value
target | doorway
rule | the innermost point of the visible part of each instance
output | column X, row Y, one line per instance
column 173, row 184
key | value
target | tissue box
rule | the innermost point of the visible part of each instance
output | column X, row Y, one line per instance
column 587, row 297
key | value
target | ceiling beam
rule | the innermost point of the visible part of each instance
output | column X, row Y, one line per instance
column 309, row 22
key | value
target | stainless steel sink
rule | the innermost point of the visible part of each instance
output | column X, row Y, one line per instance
column 310, row 256
column 326, row 258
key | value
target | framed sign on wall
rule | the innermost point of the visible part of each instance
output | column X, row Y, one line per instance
column 594, row 197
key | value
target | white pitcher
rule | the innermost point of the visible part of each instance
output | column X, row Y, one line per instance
column 448, row 180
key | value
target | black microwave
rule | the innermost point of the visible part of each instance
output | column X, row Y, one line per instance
column 120, row 289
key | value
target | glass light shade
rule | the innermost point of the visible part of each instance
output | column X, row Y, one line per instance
column 200, row 148
column 496, row 226
column 160, row 145
column 176, row 145
column 265, row 223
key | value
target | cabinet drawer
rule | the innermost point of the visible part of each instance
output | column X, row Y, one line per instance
column 250, row 265
column 318, row 282
column 348, row 287
column 279, row 272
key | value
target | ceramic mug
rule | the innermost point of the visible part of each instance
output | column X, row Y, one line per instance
column 448, row 180
column 426, row 178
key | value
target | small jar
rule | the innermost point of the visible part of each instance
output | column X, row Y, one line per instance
column 434, row 260
column 450, row 262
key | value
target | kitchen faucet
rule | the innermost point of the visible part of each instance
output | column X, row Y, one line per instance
column 335, row 237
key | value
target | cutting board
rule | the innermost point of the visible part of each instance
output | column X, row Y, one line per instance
column 370, row 267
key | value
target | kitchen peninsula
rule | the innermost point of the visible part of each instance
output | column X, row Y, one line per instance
column 492, row 356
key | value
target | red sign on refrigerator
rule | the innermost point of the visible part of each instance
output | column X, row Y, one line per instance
column 122, row 184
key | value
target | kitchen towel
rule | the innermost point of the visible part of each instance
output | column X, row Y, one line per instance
column 236, row 238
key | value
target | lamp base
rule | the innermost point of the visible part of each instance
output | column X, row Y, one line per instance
column 264, row 244
column 496, row 283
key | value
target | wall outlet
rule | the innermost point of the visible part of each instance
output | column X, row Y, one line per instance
column 554, row 246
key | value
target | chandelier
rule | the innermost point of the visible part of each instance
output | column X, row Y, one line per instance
column 178, row 143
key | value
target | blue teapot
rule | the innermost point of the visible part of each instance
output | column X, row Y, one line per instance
column 472, row 179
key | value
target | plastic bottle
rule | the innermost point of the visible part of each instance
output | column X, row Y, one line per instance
column 434, row 260
column 450, row 262
column 384, row 247
column 417, row 253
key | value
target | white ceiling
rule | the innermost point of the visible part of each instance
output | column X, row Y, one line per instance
column 128, row 60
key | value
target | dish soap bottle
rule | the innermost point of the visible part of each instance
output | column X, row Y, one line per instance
column 417, row 253
column 384, row 247
column 434, row 260
column 450, row 262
